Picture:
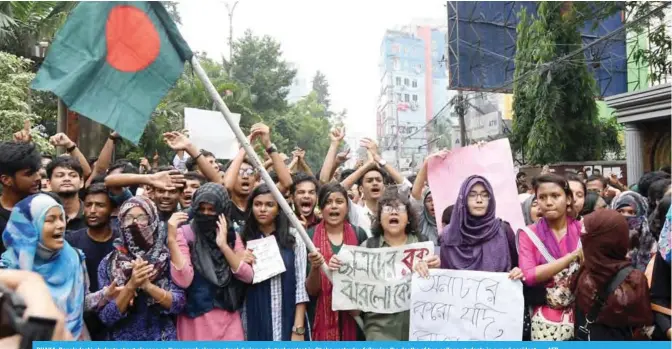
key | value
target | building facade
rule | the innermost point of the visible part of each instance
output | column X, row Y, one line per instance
column 413, row 83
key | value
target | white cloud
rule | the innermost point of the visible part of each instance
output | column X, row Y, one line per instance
column 340, row 38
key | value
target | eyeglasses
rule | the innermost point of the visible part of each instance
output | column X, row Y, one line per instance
column 142, row 219
column 247, row 172
column 484, row 196
column 397, row 209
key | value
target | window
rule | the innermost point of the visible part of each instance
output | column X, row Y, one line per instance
column 406, row 97
column 397, row 81
column 415, row 98
column 415, row 83
column 406, row 82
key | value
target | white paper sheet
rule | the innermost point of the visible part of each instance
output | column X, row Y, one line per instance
column 268, row 262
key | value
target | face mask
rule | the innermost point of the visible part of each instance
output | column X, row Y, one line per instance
column 205, row 223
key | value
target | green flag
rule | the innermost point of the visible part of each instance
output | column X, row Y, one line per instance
column 114, row 61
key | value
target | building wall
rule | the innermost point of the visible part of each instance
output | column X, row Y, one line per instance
column 413, row 89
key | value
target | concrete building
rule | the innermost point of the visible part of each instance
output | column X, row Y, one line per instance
column 301, row 86
column 413, row 83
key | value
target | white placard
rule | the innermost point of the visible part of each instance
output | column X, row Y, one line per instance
column 209, row 130
column 268, row 261
column 462, row 305
column 377, row 280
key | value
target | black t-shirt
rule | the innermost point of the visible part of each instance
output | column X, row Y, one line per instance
column 79, row 221
column 93, row 250
column 4, row 218
column 237, row 216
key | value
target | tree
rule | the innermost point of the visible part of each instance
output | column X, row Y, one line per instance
column 555, row 113
column 338, row 119
column 23, row 24
column 16, row 102
column 257, row 64
column 321, row 88
column 299, row 128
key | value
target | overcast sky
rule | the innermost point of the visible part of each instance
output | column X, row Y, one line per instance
column 340, row 38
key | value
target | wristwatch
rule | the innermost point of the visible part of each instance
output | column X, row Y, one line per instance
column 272, row 149
column 299, row 330
column 382, row 162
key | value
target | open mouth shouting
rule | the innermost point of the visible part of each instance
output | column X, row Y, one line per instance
column 306, row 207
column 245, row 186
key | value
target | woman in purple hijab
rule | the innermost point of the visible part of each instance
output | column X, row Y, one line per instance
column 476, row 239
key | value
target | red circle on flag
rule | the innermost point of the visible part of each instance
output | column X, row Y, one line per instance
column 133, row 43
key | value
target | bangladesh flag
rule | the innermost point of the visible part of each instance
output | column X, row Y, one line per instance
column 114, row 61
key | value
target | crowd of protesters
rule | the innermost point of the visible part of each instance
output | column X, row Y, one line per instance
column 159, row 252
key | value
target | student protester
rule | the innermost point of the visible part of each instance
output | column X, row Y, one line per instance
column 165, row 184
column 62, row 140
column 35, row 242
column 19, row 176
column 275, row 309
column 104, row 160
column 423, row 203
column 146, row 306
column 579, row 191
column 593, row 202
column 548, row 254
column 65, row 177
column 530, row 208
column 658, row 274
column 395, row 225
column 207, row 261
column 600, row 185
column 329, row 236
column 656, row 193
column 657, row 218
column 241, row 177
column 304, row 194
column 648, row 179
column 642, row 243
column 192, row 181
column 96, row 242
column 612, row 298
column 192, row 166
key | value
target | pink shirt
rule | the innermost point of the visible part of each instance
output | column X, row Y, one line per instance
column 529, row 257
column 217, row 324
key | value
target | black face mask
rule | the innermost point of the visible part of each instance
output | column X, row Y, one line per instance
column 206, row 224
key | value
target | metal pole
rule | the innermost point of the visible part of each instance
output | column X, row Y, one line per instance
column 231, row 36
column 461, row 110
column 242, row 139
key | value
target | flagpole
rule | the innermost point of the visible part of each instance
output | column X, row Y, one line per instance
column 242, row 139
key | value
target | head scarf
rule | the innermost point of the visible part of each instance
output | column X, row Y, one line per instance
column 475, row 243
column 605, row 248
column 642, row 243
column 665, row 240
column 207, row 258
column 63, row 270
column 147, row 243
column 526, row 205
column 427, row 222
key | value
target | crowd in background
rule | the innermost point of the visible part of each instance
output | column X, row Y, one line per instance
column 159, row 252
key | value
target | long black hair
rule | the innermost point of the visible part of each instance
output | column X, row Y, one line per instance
column 251, row 230
column 393, row 198
column 589, row 203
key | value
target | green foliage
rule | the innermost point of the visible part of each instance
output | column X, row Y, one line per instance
column 16, row 103
column 555, row 113
column 23, row 24
column 321, row 88
column 257, row 64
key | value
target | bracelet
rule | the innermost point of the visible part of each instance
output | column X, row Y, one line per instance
column 69, row 150
column 198, row 156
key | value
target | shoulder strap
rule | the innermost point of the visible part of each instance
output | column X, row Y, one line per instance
column 540, row 245
column 601, row 299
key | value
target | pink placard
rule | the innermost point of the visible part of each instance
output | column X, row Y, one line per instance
column 493, row 161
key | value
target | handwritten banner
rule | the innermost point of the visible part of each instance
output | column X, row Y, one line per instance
column 268, row 261
column 493, row 161
column 377, row 280
column 461, row 305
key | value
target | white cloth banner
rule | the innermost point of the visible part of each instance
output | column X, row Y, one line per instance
column 462, row 305
column 209, row 130
column 377, row 280
column 268, row 261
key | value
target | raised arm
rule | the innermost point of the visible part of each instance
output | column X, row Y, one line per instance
column 329, row 166
column 279, row 166
column 167, row 180
column 105, row 157
column 373, row 149
column 178, row 141
column 62, row 140
column 355, row 176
